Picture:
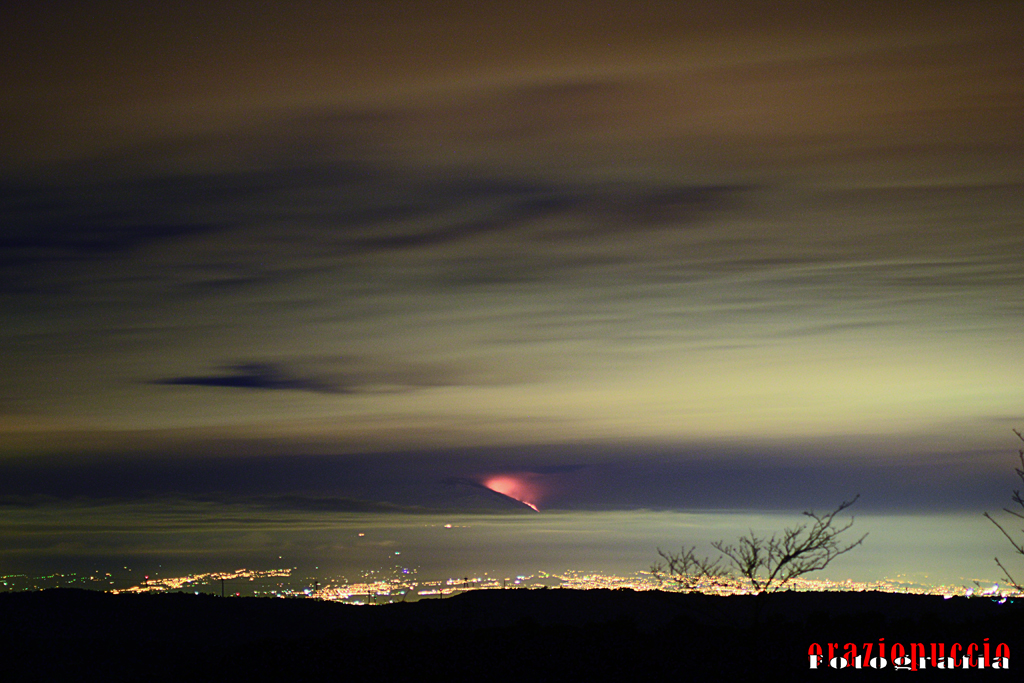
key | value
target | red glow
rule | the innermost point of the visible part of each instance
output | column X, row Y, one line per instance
column 516, row 486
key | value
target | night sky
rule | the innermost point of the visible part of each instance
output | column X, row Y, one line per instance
column 361, row 261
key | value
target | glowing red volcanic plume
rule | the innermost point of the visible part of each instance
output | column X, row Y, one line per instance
column 519, row 487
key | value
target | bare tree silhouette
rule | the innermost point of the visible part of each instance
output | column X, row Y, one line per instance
column 767, row 563
column 1018, row 499
column 688, row 571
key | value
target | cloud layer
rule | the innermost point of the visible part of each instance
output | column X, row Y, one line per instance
column 656, row 226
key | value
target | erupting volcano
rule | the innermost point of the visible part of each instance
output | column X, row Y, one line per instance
column 516, row 486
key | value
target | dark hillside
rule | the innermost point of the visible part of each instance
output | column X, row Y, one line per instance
column 534, row 635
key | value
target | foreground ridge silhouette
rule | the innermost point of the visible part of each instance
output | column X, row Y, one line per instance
column 556, row 634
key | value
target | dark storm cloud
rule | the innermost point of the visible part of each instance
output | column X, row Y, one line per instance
column 296, row 206
column 556, row 469
column 262, row 376
column 406, row 483
column 692, row 478
column 341, row 376
column 59, row 225
column 283, row 502
column 296, row 210
column 293, row 502
column 508, row 216
column 760, row 485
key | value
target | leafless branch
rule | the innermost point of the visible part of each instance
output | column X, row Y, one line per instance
column 1018, row 498
column 687, row 570
column 767, row 562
